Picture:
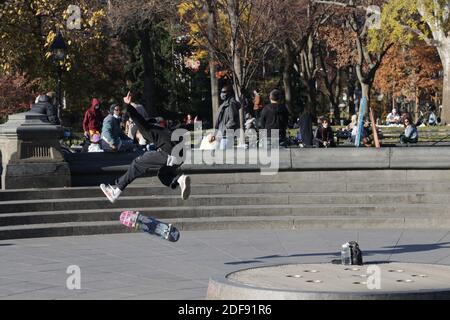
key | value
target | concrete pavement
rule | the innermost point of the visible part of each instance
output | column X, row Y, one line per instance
column 139, row 266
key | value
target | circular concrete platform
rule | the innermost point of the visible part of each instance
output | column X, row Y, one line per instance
column 334, row 282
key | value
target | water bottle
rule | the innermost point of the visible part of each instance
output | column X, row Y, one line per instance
column 346, row 257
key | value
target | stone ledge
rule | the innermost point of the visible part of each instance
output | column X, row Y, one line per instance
column 337, row 158
column 37, row 175
column 290, row 160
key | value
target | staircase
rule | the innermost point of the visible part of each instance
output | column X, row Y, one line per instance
column 290, row 200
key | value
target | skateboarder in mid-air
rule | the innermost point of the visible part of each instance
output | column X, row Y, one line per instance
column 160, row 159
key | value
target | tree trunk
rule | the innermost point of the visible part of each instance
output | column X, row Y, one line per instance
column 214, row 89
column 240, row 98
column 238, row 77
column 149, row 73
column 287, row 77
column 351, row 94
column 212, row 32
column 365, row 88
column 417, row 109
column 336, row 93
column 394, row 104
column 312, row 94
column 445, row 115
column 351, row 101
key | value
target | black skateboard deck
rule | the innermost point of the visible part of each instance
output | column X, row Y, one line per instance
column 137, row 221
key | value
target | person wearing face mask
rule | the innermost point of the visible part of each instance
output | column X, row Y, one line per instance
column 93, row 119
column 227, row 119
column 113, row 138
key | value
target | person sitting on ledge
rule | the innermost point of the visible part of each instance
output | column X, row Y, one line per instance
column 411, row 134
column 44, row 106
column 324, row 137
column 393, row 118
column 93, row 119
column 346, row 133
column 113, row 138
column 95, row 144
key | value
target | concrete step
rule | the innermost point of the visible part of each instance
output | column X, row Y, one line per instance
column 310, row 210
column 61, row 230
column 225, row 223
column 225, row 200
column 327, row 175
column 293, row 177
column 248, row 188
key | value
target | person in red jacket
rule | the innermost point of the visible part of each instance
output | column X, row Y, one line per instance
column 93, row 119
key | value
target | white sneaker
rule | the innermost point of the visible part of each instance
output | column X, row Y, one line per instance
column 110, row 192
column 185, row 185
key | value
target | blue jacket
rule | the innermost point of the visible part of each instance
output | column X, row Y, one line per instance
column 411, row 132
column 111, row 130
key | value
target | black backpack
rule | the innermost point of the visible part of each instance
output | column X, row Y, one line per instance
column 356, row 254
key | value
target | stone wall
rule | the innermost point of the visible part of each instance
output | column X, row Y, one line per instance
column 92, row 169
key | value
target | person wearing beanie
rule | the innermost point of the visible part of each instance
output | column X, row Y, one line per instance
column 93, row 119
column 113, row 138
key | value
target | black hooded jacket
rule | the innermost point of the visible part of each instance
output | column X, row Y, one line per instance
column 275, row 116
column 43, row 106
column 159, row 136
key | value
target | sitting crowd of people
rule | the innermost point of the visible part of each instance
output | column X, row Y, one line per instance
column 116, row 132
column 106, row 134
column 111, row 136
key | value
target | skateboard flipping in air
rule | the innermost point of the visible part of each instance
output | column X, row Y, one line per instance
column 137, row 221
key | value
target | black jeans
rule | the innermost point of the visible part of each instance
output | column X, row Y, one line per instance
column 258, row 118
column 404, row 139
column 156, row 160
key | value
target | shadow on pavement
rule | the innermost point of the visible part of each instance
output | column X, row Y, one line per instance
column 392, row 250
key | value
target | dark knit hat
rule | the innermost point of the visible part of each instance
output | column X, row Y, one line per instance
column 113, row 106
column 276, row 95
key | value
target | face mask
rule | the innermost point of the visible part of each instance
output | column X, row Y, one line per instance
column 97, row 107
column 116, row 116
column 224, row 96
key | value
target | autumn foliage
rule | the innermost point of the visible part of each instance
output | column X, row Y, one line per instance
column 410, row 72
column 325, row 54
column 16, row 93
